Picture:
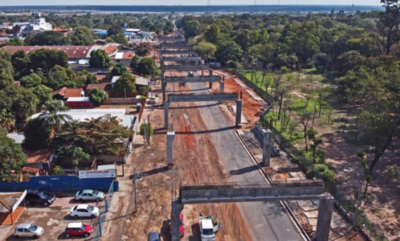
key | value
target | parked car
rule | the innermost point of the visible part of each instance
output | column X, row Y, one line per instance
column 181, row 228
column 84, row 211
column 78, row 229
column 90, row 195
column 35, row 196
column 154, row 236
column 28, row 230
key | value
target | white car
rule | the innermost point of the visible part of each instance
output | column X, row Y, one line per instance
column 28, row 230
column 84, row 211
column 90, row 195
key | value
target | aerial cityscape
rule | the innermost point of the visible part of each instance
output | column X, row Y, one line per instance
column 200, row 122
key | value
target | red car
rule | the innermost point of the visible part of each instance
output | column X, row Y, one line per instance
column 181, row 228
column 78, row 229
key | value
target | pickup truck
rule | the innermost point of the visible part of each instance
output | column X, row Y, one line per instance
column 208, row 227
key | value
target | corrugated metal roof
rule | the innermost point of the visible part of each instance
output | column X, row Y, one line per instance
column 73, row 99
column 119, row 55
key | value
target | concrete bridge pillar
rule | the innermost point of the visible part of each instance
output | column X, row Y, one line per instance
column 221, row 86
column 210, row 72
column 267, row 145
column 210, row 85
column 164, row 87
column 202, row 73
column 166, row 106
column 177, row 208
column 162, row 74
column 324, row 218
column 170, row 138
column 238, row 112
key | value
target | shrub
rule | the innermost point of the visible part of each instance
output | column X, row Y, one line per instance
column 58, row 170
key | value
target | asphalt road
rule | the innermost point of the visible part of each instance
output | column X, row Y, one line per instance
column 265, row 220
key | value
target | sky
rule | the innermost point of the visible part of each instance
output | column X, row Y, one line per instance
column 186, row 2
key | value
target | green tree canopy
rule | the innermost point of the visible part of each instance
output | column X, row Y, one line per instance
column 37, row 134
column 168, row 28
column 46, row 59
column 135, row 62
column 43, row 93
column 82, row 36
column 121, row 39
column 99, row 59
column 59, row 77
column 97, row 95
column 47, row 38
column 12, row 159
column 127, row 82
column 114, row 30
column 31, row 80
column 227, row 50
column 119, row 69
column 205, row 49
column 146, row 66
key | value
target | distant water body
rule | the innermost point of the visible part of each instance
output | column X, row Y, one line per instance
column 201, row 8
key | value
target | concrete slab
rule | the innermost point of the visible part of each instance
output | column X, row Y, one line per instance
column 311, row 214
column 313, row 221
column 307, row 205
column 253, row 95
column 314, row 228
column 240, row 132
column 69, row 202
column 243, row 119
column 293, row 179
column 337, row 221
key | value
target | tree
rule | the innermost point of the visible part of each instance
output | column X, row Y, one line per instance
column 121, row 39
column 47, row 38
column 205, row 49
column 53, row 116
column 119, row 69
column 388, row 26
column 46, row 59
column 12, row 159
column 146, row 66
column 31, row 80
column 99, row 59
column 367, row 175
column 317, row 141
column 125, row 83
column 43, row 93
column 146, row 130
column 59, row 77
column 168, row 28
column 82, row 36
column 91, row 79
column 305, row 117
column 142, row 49
column 6, row 80
column 79, row 155
column 20, row 62
column 15, row 42
column 227, row 50
column 58, row 170
column 243, row 39
column 114, row 30
column 135, row 62
column 192, row 28
column 37, row 134
column 97, row 95
column 212, row 34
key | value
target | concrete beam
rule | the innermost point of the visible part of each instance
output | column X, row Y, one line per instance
column 173, row 41
column 187, row 67
column 181, row 59
column 202, row 97
column 188, row 52
column 238, row 112
column 192, row 79
column 166, row 106
column 252, row 193
column 164, row 87
column 221, row 86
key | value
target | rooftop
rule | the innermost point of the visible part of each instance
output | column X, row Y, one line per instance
column 110, row 49
column 142, row 81
column 17, row 137
column 72, row 99
column 124, row 55
column 8, row 199
column 68, row 92
column 75, row 225
column 71, row 51
column 38, row 156
column 85, row 114
column 102, row 86
column 206, row 223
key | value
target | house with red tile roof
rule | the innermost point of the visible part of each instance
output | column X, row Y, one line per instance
column 65, row 93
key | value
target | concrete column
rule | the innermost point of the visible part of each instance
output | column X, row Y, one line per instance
column 164, row 94
column 238, row 112
column 166, row 106
column 324, row 218
column 202, row 72
column 162, row 74
column 170, row 138
column 177, row 208
column 210, row 85
column 210, row 72
column 267, row 145
column 221, row 86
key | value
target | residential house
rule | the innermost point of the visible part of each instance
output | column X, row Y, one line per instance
column 65, row 93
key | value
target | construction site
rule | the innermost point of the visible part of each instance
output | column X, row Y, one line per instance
column 209, row 156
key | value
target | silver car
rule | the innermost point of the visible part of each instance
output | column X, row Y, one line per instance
column 90, row 195
column 28, row 230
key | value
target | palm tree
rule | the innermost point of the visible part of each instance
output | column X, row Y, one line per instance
column 52, row 115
